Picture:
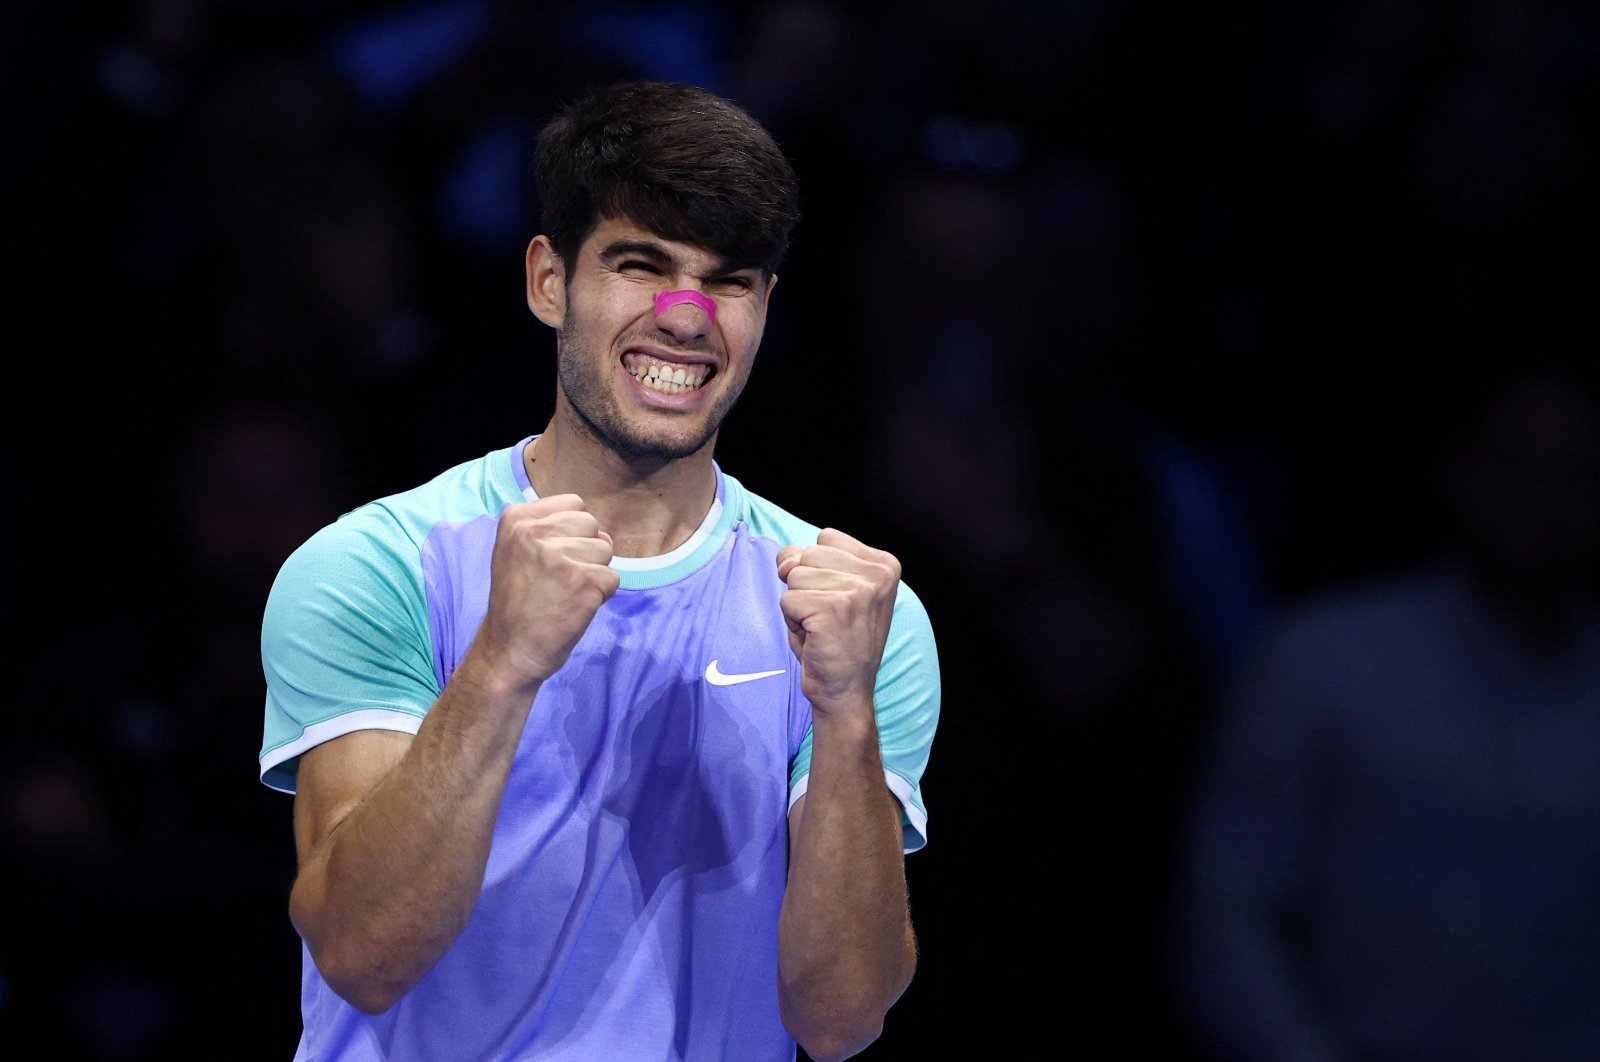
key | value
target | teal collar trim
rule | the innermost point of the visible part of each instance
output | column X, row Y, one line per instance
column 645, row 573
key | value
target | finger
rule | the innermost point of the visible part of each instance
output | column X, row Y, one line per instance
column 571, row 523
column 815, row 577
column 587, row 550
column 796, row 609
column 845, row 546
column 832, row 536
column 555, row 503
column 608, row 582
column 788, row 557
column 832, row 557
column 813, row 610
column 874, row 565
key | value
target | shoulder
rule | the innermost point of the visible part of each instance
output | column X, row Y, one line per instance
column 911, row 645
column 465, row 491
column 481, row 485
column 765, row 518
column 377, row 546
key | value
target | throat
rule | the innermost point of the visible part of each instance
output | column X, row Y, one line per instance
column 647, row 512
column 644, row 539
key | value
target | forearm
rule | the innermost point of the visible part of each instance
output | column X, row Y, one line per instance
column 846, row 950
column 391, row 886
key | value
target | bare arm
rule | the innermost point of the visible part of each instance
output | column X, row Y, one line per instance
column 393, row 837
column 846, row 947
column 393, row 832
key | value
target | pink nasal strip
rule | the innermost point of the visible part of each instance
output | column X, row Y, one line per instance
column 666, row 300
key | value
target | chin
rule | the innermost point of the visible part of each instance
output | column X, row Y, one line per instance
column 637, row 443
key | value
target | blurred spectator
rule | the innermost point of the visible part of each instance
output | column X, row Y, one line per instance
column 1062, row 530
column 1396, row 853
column 309, row 261
column 133, row 896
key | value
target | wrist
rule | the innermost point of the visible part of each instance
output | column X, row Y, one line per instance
column 496, row 678
column 846, row 722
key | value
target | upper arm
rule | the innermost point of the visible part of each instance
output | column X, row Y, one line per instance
column 336, row 776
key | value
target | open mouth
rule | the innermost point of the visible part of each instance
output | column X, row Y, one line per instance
column 665, row 377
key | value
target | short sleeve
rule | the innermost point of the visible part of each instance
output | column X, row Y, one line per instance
column 907, row 705
column 345, row 642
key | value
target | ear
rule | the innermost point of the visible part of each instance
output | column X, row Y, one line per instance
column 766, row 298
column 547, row 280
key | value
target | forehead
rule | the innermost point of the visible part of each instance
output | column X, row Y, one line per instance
column 620, row 235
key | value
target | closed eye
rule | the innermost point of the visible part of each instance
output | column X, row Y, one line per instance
column 732, row 284
column 638, row 265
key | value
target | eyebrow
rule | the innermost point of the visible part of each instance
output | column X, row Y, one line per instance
column 643, row 249
column 660, row 256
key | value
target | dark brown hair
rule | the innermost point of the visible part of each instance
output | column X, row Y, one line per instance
column 679, row 160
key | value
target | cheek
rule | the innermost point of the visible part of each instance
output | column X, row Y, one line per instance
column 742, row 329
column 613, row 309
column 742, row 357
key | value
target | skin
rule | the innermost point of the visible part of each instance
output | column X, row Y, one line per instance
column 393, row 831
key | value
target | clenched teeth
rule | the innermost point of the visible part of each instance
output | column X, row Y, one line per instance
column 672, row 379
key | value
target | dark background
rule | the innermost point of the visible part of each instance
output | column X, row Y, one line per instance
column 1122, row 325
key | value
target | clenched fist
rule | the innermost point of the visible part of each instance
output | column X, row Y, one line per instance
column 548, row 577
column 838, row 605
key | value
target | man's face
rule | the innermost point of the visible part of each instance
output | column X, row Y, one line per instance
column 651, row 387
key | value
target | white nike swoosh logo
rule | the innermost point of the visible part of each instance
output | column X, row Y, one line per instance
column 717, row 678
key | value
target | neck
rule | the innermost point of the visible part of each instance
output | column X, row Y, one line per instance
column 647, row 507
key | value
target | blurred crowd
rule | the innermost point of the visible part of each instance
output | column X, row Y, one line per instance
column 1224, row 379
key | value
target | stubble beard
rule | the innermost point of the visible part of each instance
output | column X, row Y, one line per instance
column 583, row 376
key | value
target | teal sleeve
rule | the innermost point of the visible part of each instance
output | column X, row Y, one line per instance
column 345, row 642
column 907, row 705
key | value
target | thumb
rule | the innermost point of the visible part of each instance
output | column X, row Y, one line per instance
column 788, row 557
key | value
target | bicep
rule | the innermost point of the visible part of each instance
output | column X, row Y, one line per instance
column 336, row 776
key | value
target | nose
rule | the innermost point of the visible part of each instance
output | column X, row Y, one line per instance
column 686, row 314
